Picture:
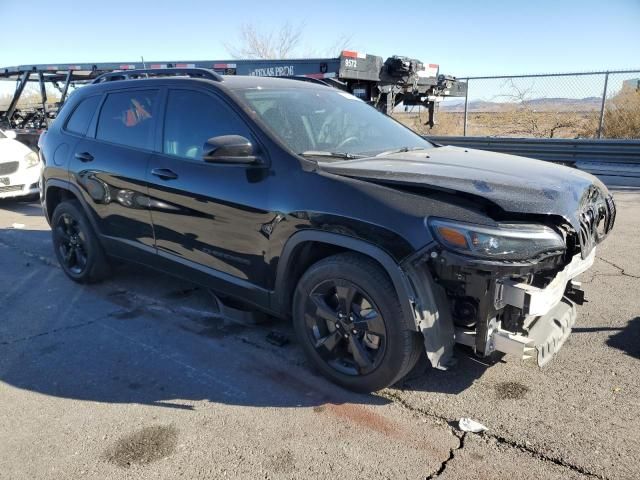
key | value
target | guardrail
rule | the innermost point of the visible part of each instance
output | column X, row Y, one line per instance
column 615, row 162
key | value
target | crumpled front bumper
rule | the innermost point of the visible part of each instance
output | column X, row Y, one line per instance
column 549, row 333
column 546, row 335
column 549, row 316
column 535, row 301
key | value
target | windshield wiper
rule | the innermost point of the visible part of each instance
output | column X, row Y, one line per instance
column 401, row 150
column 320, row 153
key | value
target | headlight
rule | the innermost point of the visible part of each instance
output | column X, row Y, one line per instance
column 31, row 159
column 505, row 242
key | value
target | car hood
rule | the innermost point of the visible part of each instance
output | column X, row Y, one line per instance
column 515, row 184
column 12, row 150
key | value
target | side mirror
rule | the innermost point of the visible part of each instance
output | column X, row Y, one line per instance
column 10, row 134
column 229, row 149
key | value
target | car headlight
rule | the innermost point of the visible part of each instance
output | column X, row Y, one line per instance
column 504, row 242
column 31, row 159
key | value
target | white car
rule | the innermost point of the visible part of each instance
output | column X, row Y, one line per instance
column 19, row 167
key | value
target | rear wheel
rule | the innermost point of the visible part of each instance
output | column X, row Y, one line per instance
column 349, row 321
column 76, row 245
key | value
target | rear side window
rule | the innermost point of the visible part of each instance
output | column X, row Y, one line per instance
column 126, row 118
column 194, row 117
column 83, row 114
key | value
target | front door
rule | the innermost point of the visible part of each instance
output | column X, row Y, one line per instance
column 206, row 215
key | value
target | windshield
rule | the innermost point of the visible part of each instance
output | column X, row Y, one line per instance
column 320, row 122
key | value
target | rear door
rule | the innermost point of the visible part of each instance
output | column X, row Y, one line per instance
column 110, row 165
column 207, row 216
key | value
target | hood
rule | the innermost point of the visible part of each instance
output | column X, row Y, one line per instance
column 12, row 150
column 515, row 184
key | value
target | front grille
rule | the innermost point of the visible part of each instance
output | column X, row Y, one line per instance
column 587, row 231
column 611, row 205
column 8, row 168
column 11, row 188
column 596, row 221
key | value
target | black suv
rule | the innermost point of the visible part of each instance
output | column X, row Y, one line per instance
column 304, row 202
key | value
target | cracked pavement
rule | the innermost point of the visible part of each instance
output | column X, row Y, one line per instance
column 138, row 377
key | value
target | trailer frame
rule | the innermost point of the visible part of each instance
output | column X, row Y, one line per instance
column 384, row 84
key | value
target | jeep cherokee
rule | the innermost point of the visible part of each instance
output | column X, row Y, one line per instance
column 302, row 201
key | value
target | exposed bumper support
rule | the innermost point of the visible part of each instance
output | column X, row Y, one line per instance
column 549, row 316
column 511, row 344
column 538, row 301
column 546, row 335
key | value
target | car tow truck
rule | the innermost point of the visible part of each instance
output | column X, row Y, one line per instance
column 385, row 84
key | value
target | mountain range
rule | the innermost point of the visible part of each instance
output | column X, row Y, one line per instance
column 558, row 104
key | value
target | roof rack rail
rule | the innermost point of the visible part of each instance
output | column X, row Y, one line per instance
column 158, row 72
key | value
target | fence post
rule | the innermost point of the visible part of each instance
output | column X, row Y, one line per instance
column 604, row 101
column 466, row 100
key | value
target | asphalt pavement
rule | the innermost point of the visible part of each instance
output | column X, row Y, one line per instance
column 140, row 377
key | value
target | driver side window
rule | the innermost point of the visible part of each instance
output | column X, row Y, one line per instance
column 193, row 117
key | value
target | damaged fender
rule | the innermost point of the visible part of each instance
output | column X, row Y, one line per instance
column 432, row 315
column 423, row 302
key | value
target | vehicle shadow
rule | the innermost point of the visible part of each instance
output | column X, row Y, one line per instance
column 145, row 357
column 141, row 337
column 144, row 354
column 89, row 349
column 457, row 379
column 145, row 337
column 25, row 206
column 628, row 338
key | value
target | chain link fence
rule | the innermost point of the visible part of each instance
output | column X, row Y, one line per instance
column 568, row 105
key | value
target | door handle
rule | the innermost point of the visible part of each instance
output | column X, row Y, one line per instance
column 164, row 173
column 84, row 157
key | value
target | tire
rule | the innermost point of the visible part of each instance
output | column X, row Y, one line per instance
column 76, row 245
column 369, row 345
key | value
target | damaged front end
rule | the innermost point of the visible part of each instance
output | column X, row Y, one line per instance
column 506, row 287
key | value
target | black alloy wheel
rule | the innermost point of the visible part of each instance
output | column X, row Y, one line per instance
column 76, row 245
column 349, row 322
column 71, row 243
column 346, row 327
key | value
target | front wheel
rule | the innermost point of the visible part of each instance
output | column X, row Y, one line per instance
column 349, row 321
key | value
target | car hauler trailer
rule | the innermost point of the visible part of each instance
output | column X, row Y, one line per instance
column 382, row 83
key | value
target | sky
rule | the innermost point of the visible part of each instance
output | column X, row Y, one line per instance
column 466, row 38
